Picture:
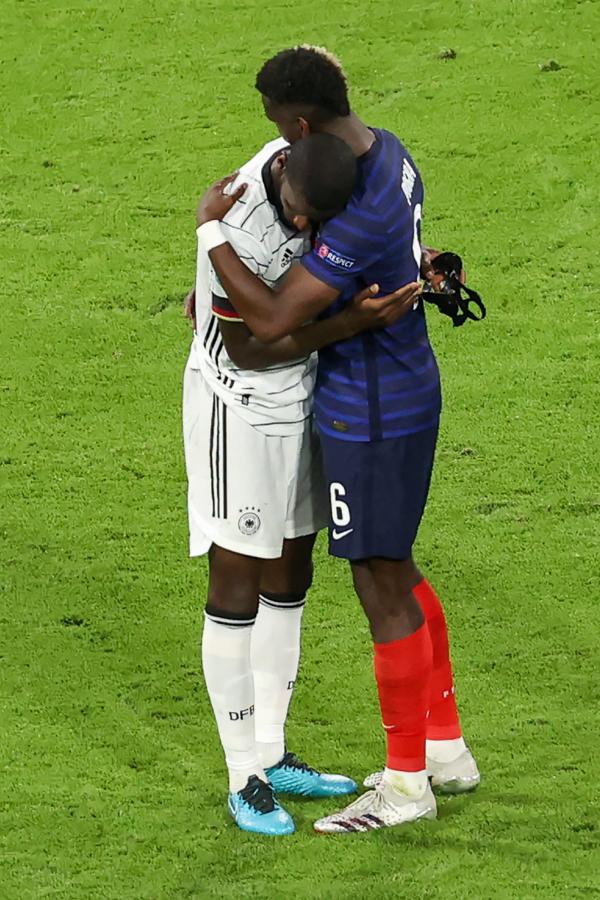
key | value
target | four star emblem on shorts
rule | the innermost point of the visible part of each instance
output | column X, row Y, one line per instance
column 249, row 521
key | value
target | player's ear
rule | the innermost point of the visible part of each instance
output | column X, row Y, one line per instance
column 304, row 127
column 301, row 223
column 281, row 160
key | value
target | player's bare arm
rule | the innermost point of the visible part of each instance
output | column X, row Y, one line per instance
column 365, row 312
column 395, row 306
column 269, row 314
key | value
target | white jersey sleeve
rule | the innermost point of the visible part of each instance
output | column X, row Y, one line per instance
column 252, row 253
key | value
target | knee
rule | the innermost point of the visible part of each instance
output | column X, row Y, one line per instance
column 233, row 582
column 232, row 598
column 296, row 582
column 384, row 588
column 303, row 579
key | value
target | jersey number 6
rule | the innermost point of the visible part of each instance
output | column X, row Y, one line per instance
column 340, row 512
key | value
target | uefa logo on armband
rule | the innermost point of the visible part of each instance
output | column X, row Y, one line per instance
column 333, row 258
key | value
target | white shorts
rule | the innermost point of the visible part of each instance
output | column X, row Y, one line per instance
column 247, row 491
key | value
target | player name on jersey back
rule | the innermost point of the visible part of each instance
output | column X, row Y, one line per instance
column 278, row 399
column 383, row 383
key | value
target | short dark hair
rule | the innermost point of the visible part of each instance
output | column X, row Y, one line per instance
column 322, row 167
column 306, row 76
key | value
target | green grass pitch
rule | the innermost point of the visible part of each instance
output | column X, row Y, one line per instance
column 115, row 116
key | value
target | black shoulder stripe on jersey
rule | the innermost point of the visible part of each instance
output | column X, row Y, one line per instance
column 223, row 304
column 214, row 342
column 210, row 331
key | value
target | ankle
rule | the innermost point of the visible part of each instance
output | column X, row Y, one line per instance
column 406, row 784
column 239, row 774
column 445, row 751
column 270, row 752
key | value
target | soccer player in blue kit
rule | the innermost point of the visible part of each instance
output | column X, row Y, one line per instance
column 377, row 405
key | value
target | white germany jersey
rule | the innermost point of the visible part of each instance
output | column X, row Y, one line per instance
column 276, row 400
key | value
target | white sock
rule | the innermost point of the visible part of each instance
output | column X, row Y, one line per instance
column 412, row 784
column 275, row 655
column 228, row 677
column 445, row 751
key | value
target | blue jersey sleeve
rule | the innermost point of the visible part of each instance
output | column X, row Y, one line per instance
column 346, row 246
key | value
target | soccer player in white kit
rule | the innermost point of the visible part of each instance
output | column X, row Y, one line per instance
column 256, row 494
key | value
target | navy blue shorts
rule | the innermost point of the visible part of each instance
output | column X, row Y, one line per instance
column 377, row 492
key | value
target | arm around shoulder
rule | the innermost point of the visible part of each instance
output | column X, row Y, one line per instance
column 271, row 314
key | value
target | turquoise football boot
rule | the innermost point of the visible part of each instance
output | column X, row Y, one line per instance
column 292, row 776
column 255, row 808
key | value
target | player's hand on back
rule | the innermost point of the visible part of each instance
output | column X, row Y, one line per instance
column 189, row 307
column 216, row 202
column 366, row 311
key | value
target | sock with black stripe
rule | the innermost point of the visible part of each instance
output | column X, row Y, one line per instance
column 275, row 655
column 228, row 675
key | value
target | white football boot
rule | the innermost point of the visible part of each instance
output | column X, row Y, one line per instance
column 382, row 808
column 457, row 777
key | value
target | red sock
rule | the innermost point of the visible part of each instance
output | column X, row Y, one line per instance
column 403, row 674
column 443, row 723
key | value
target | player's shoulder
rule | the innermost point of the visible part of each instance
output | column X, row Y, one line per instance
column 254, row 202
column 399, row 164
column 253, row 168
column 388, row 143
column 390, row 182
column 390, row 162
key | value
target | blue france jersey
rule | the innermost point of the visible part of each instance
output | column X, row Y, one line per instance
column 384, row 383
